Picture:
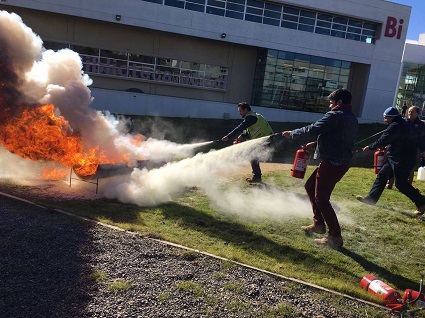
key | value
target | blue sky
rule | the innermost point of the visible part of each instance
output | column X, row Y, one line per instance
column 417, row 17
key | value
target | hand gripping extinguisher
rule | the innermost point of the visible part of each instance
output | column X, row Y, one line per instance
column 301, row 160
column 376, row 287
column 378, row 160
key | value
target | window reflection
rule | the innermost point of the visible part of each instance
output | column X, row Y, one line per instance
column 297, row 81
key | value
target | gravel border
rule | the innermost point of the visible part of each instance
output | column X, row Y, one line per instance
column 57, row 265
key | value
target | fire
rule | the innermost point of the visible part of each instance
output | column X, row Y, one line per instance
column 38, row 134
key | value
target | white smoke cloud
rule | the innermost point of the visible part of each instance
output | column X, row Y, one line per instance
column 52, row 77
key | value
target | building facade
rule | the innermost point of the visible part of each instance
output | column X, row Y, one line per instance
column 411, row 90
column 199, row 58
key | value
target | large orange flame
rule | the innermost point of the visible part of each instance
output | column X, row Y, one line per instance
column 38, row 134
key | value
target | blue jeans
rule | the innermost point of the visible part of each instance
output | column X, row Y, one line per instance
column 400, row 171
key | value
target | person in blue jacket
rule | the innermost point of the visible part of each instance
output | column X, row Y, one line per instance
column 335, row 133
column 401, row 146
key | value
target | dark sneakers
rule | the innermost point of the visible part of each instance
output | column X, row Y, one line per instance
column 314, row 228
column 331, row 241
column 253, row 180
column 420, row 210
column 366, row 200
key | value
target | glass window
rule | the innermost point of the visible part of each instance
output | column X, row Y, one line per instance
column 354, row 30
column 174, row 3
column 289, row 25
column 338, row 34
column 322, row 31
column 215, row 11
column 254, row 3
column 273, row 7
column 195, row 7
column 308, row 28
column 216, row 3
column 289, row 17
column 369, row 26
column 340, row 20
column 233, row 14
column 307, row 21
column 291, row 10
column 236, row 1
column 324, row 24
column 235, row 7
column 339, row 27
column 253, row 18
column 351, row 36
column 254, row 11
column 355, row 23
column 324, row 17
column 271, row 21
column 272, row 14
column 309, row 14
column 154, row 1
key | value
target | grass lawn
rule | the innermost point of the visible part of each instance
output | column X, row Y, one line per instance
column 385, row 240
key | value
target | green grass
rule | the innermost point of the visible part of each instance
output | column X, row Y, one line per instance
column 385, row 240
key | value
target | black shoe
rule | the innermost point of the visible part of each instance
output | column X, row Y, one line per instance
column 365, row 200
column 253, row 180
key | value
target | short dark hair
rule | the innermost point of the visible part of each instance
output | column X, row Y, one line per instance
column 244, row 105
column 341, row 94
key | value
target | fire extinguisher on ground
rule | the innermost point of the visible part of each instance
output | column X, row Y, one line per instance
column 301, row 160
column 387, row 294
column 414, row 297
column 378, row 160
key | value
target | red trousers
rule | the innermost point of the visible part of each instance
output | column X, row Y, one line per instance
column 319, row 188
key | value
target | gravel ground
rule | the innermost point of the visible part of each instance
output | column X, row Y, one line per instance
column 55, row 265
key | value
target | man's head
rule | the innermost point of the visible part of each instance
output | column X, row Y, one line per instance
column 413, row 113
column 390, row 113
column 339, row 97
column 243, row 109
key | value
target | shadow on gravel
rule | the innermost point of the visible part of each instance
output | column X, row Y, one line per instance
column 43, row 269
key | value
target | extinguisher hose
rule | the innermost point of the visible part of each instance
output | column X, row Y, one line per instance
column 370, row 137
column 420, row 291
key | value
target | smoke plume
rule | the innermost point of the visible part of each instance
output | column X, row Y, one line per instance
column 32, row 76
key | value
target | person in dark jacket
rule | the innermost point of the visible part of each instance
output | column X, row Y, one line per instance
column 336, row 133
column 253, row 126
column 417, row 132
column 401, row 147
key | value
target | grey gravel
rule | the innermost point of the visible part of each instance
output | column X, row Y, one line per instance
column 55, row 265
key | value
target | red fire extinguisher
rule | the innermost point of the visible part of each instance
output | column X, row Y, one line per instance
column 387, row 294
column 301, row 160
column 378, row 160
column 414, row 297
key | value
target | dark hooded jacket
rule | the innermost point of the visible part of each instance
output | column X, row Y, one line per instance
column 335, row 132
column 400, row 142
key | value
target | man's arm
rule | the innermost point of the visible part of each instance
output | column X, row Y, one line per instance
column 247, row 122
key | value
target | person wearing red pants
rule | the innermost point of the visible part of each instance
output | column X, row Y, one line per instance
column 335, row 132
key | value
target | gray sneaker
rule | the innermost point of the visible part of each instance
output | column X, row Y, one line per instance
column 332, row 241
column 314, row 228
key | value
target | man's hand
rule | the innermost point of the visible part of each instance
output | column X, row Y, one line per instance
column 286, row 134
column 225, row 138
